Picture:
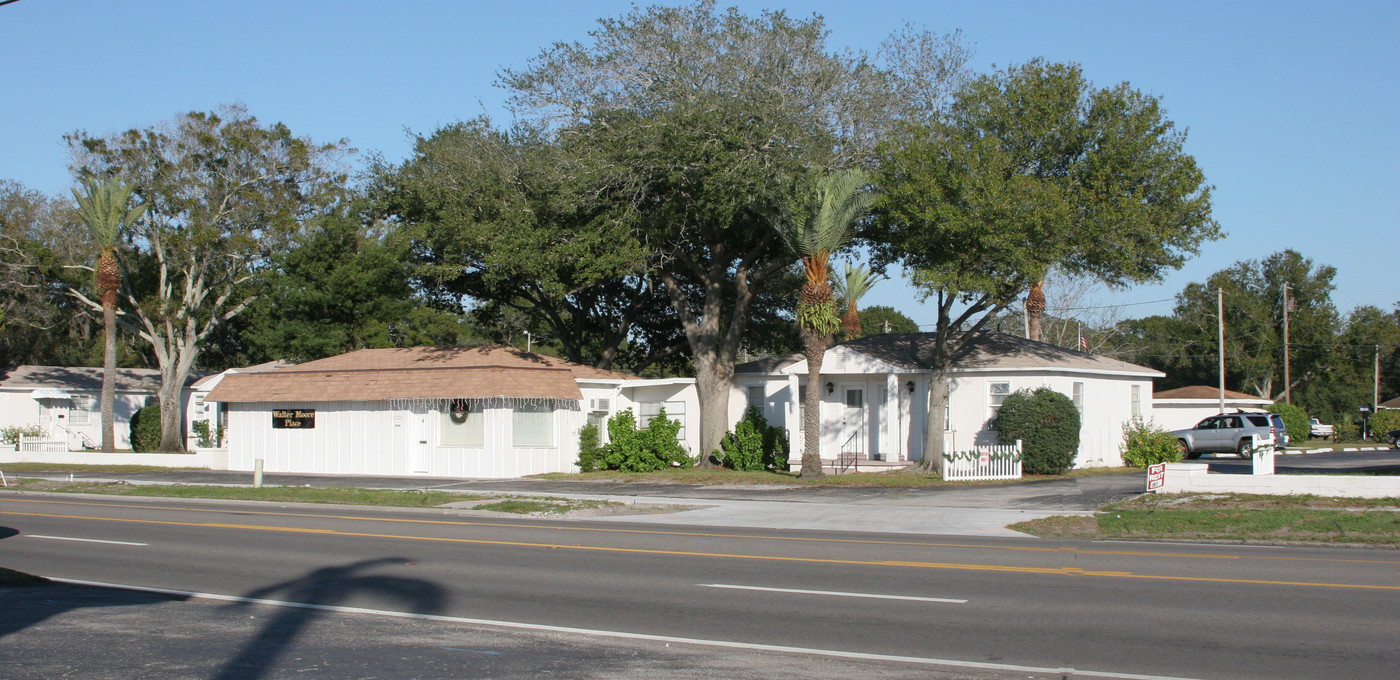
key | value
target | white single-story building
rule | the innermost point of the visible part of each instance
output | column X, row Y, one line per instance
column 65, row 401
column 1183, row 407
column 875, row 390
column 481, row 411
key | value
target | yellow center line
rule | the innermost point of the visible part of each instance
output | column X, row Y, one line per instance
column 1067, row 571
column 702, row 534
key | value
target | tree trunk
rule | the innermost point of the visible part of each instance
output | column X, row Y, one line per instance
column 713, row 383
column 107, row 404
column 933, row 436
column 815, row 349
column 172, row 417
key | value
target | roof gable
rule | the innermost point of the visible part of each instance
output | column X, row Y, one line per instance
column 475, row 372
column 85, row 378
column 913, row 352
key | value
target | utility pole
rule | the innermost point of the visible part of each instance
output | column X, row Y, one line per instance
column 1220, row 316
column 1287, row 381
column 1376, row 386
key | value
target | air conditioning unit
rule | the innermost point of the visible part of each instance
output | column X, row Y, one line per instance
column 603, row 405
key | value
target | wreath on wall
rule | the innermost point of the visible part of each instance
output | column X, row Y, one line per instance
column 458, row 411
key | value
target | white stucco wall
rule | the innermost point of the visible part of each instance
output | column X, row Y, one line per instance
column 18, row 408
column 1179, row 414
column 353, row 437
column 895, row 419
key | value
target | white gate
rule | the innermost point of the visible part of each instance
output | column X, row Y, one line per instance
column 42, row 445
column 983, row 462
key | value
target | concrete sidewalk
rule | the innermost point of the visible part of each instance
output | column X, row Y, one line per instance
column 946, row 510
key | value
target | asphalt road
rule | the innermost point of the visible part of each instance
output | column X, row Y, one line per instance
column 443, row 594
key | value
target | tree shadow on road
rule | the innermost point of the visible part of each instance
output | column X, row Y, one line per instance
column 302, row 600
column 27, row 600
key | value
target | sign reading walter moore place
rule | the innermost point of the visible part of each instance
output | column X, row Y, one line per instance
column 300, row 419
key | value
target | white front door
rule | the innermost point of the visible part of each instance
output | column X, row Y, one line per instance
column 853, row 420
column 420, row 447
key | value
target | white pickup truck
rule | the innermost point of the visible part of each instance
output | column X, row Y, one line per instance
column 1320, row 431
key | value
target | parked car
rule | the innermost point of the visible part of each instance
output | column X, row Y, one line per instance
column 1226, row 433
column 1280, row 431
column 1319, row 430
column 1393, row 437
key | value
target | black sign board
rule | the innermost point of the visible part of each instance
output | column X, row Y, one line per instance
column 300, row 419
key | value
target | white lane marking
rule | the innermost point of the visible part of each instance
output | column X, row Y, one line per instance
column 84, row 540
column 833, row 593
column 836, row 653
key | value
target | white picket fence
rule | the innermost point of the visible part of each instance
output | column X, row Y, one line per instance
column 983, row 462
column 42, row 445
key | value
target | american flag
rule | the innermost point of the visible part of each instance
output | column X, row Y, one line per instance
column 1083, row 343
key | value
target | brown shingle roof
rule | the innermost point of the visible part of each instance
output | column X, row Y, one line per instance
column 1205, row 392
column 414, row 373
column 84, row 378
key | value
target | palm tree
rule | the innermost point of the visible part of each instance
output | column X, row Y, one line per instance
column 852, row 288
column 103, row 208
column 836, row 203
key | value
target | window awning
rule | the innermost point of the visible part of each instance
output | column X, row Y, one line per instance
column 50, row 393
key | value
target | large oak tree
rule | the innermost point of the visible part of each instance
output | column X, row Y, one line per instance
column 1033, row 167
column 222, row 193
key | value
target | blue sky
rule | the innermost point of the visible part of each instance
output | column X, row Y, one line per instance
column 1291, row 106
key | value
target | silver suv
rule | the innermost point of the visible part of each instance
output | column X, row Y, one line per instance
column 1226, row 433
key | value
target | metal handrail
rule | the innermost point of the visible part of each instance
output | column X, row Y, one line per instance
column 850, row 452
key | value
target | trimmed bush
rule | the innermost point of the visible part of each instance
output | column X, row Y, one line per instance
column 1295, row 419
column 1383, row 422
column 1047, row 423
column 591, row 455
column 1144, row 444
column 1345, row 431
column 145, row 429
column 754, row 445
column 652, row 448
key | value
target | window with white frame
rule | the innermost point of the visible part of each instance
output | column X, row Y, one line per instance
column 647, row 410
column 1078, row 397
column 756, row 397
column 675, row 410
column 532, row 424
column 997, row 393
column 1137, row 400
column 463, row 423
column 81, row 411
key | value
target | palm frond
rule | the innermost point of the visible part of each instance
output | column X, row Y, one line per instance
column 103, row 208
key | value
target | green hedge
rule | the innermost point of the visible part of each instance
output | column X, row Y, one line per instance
column 1144, row 444
column 754, row 445
column 1047, row 423
column 1383, row 422
column 630, row 449
column 145, row 429
column 1295, row 419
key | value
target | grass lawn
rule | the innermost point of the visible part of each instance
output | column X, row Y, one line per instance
column 1240, row 518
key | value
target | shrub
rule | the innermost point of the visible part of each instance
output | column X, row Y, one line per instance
column 591, row 455
column 1346, row 431
column 1384, row 421
column 1295, row 419
column 201, row 431
column 1047, row 423
column 754, row 445
column 9, row 436
column 145, row 429
column 653, row 448
column 1144, row 444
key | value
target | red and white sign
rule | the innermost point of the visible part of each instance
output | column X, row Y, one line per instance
column 1156, row 476
column 984, row 457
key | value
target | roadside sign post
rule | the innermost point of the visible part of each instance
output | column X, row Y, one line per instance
column 1156, row 476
